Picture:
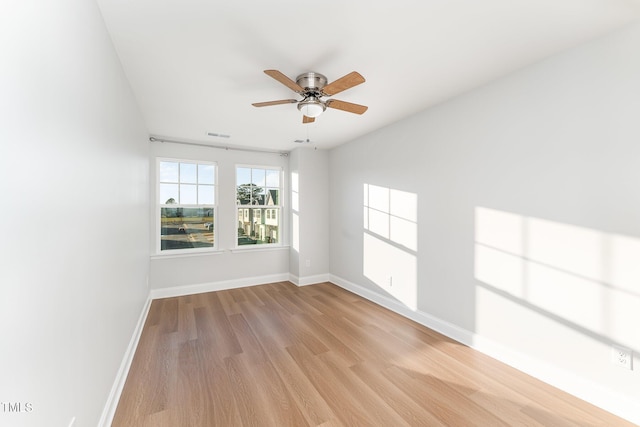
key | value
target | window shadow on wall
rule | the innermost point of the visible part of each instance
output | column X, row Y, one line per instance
column 583, row 279
column 390, row 242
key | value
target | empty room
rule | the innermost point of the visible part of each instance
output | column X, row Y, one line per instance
column 423, row 213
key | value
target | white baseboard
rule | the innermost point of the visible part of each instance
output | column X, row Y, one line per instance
column 116, row 390
column 586, row 390
column 177, row 291
column 309, row 280
column 445, row 328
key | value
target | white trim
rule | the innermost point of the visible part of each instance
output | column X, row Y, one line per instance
column 110, row 406
column 157, row 215
column 589, row 391
column 167, row 255
column 259, row 248
column 280, row 207
column 445, row 328
column 609, row 400
column 177, row 291
column 308, row 280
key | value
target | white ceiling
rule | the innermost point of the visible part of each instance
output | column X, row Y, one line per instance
column 196, row 66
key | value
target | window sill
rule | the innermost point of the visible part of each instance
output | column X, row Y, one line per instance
column 254, row 248
column 219, row 251
column 186, row 254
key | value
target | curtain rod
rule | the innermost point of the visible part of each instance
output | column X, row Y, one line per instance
column 220, row 147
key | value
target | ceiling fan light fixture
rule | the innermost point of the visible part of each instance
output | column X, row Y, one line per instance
column 311, row 107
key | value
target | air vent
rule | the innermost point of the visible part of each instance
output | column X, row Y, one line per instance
column 219, row 135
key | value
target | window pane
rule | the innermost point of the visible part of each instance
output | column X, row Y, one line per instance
column 243, row 176
column 256, row 228
column 273, row 178
column 258, row 197
column 168, row 172
column 272, row 197
column 258, row 187
column 206, row 194
column 245, row 194
column 185, row 228
column 188, row 173
column 258, row 177
column 168, row 194
column 206, row 174
column 188, row 194
column 184, row 183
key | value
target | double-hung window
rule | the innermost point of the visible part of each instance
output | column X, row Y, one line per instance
column 186, row 205
column 258, row 196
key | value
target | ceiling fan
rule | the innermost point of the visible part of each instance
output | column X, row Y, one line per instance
column 312, row 87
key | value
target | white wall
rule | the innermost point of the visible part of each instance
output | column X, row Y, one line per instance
column 528, row 239
column 174, row 275
column 74, row 253
column 309, row 260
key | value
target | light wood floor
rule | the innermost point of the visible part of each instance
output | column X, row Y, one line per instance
column 279, row 355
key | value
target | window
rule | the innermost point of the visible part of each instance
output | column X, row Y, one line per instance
column 260, row 188
column 186, row 205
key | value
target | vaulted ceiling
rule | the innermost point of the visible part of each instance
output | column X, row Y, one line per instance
column 196, row 66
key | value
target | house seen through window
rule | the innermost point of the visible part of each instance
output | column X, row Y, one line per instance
column 258, row 191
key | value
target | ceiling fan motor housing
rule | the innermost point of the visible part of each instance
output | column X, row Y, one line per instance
column 311, row 81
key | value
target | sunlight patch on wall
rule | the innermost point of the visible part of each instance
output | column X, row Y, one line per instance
column 295, row 232
column 586, row 279
column 295, row 190
column 390, row 241
column 295, row 206
column 392, row 214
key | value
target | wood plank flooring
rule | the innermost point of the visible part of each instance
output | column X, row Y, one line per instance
column 279, row 355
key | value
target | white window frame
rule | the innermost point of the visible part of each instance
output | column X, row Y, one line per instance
column 159, row 205
column 279, row 207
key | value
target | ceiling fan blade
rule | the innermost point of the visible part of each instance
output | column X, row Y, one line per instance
column 306, row 119
column 268, row 103
column 343, row 83
column 346, row 106
column 284, row 80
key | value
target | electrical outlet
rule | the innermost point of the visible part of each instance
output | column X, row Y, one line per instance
column 72, row 422
column 622, row 357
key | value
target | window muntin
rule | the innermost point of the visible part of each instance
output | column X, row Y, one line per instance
column 260, row 188
column 187, row 205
